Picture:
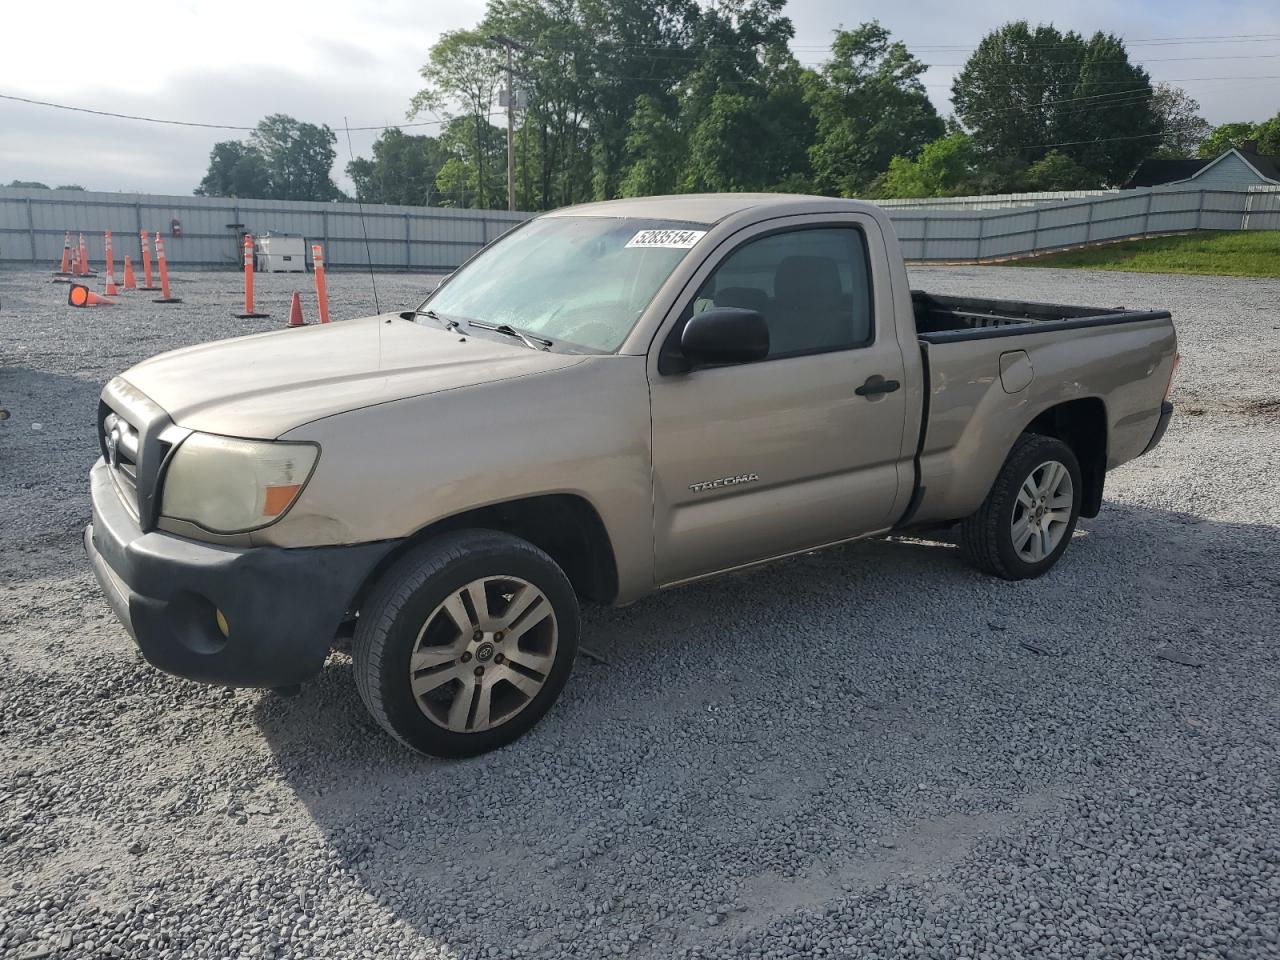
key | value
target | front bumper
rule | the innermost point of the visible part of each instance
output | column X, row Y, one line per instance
column 282, row 607
column 1166, row 414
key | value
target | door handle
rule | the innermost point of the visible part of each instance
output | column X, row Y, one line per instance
column 874, row 386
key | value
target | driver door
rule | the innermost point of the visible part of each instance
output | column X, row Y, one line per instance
column 757, row 460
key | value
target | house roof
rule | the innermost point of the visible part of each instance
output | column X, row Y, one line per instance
column 1158, row 171
column 1269, row 167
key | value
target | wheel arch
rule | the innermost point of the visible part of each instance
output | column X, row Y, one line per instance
column 564, row 525
column 1082, row 425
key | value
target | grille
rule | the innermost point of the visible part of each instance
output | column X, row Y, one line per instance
column 120, row 449
column 137, row 437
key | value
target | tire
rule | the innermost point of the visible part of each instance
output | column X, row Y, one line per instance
column 987, row 538
column 415, row 663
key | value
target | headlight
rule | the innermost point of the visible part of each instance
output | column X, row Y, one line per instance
column 229, row 486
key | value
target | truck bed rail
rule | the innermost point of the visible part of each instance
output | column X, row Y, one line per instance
column 943, row 319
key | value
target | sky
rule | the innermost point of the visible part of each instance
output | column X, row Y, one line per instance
column 336, row 63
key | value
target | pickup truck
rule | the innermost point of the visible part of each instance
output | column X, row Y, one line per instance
column 611, row 399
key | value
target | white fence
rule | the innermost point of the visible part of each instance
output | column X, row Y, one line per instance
column 995, row 201
column 948, row 234
column 32, row 224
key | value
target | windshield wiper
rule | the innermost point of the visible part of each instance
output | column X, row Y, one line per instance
column 449, row 322
column 530, row 341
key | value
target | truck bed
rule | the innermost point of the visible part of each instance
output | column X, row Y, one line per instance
column 1110, row 366
column 942, row 319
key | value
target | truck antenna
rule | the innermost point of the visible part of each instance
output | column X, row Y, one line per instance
column 368, row 257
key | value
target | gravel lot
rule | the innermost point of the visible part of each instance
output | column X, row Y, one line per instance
column 870, row 752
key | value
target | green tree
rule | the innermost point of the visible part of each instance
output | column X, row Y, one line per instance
column 1007, row 91
column 462, row 73
column 1179, row 116
column 1057, row 171
column 283, row 159
column 1225, row 136
column 1267, row 134
column 69, row 186
column 635, row 49
column 403, row 169
column 236, row 169
column 1105, row 130
column 741, row 95
column 454, row 183
column 29, row 184
column 869, row 106
column 1025, row 92
column 656, row 148
column 298, row 156
column 944, row 168
column 557, row 74
column 468, row 178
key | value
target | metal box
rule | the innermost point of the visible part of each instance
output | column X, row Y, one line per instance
column 282, row 253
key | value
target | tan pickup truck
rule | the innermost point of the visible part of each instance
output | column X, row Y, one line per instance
column 611, row 399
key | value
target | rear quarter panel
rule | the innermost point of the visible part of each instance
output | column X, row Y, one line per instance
column 973, row 421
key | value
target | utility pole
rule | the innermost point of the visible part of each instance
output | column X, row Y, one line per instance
column 504, row 41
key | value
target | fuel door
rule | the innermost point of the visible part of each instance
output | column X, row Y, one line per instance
column 1016, row 372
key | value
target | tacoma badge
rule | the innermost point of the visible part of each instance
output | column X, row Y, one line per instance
column 723, row 482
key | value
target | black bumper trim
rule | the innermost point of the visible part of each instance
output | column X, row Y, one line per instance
column 283, row 606
column 1166, row 414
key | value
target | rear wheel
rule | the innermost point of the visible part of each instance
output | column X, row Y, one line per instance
column 1027, row 520
column 466, row 642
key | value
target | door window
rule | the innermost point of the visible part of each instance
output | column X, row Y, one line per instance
column 812, row 286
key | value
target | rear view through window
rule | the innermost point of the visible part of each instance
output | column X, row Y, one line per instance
column 811, row 286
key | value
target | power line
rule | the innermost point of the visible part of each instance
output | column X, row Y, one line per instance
column 1139, row 136
column 1101, row 83
column 1136, row 63
column 1115, row 97
column 705, row 54
column 932, row 47
column 194, row 123
column 122, row 116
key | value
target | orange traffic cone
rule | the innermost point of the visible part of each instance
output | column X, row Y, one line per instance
column 146, row 262
column 295, row 311
column 322, row 292
column 84, row 259
column 112, row 290
column 78, row 295
column 249, row 313
column 64, row 268
column 165, row 296
column 130, row 281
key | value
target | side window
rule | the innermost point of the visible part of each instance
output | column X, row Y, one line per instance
column 811, row 286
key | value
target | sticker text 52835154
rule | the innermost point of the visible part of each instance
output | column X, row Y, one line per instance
column 670, row 239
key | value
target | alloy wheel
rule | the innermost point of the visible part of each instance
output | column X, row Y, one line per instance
column 483, row 654
column 1042, row 512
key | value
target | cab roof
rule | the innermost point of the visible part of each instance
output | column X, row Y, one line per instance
column 708, row 208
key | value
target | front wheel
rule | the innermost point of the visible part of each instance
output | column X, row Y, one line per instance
column 1027, row 520
column 466, row 642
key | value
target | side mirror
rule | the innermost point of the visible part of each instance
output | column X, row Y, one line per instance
column 725, row 335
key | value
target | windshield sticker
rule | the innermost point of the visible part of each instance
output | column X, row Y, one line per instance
column 668, row 239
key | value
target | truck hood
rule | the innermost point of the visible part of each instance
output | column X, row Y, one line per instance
column 265, row 385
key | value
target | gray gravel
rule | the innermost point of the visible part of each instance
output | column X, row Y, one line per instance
column 870, row 752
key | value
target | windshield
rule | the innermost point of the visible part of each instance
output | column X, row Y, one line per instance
column 578, row 280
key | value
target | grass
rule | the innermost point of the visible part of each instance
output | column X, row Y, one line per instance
column 1229, row 253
